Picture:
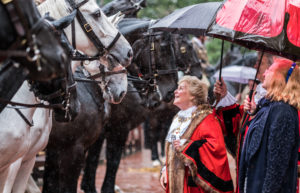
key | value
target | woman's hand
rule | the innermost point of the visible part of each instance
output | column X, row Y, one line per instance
column 176, row 144
column 249, row 106
column 220, row 88
column 163, row 179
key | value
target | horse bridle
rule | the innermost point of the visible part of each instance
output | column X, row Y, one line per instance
column 97, row 43
column 26, row 38
column 26, row 35
column 186, row 69
column 150, row 79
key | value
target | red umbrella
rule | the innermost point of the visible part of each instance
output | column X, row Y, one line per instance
column 264, row 25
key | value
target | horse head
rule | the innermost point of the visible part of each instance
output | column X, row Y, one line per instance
column 92, row 31
column 128, row 7
column 154, row 64
column 186, row 57
column 98, row 39
column 29, row 40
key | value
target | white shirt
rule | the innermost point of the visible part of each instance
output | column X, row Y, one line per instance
column 228, row 100
column 181, row 121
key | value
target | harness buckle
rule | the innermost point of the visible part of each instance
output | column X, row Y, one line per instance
column 182, row 50
column 6, row 1
column 152, row 46
column 87, row 27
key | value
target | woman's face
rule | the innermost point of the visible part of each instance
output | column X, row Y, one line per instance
column 268, row 75
column 183, row 98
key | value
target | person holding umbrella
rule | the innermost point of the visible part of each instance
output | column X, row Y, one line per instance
column 269, row 152
column 269, row 156
column 196, row 154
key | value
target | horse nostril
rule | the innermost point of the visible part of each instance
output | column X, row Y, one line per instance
column 122, row 94
column 169, row 96
column 156, row 104
column 130, row 53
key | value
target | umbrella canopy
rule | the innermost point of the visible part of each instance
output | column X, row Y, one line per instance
column 193, row 19
column 270, row 26
column 240, row 74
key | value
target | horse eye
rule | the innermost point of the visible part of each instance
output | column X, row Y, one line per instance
column 97, row 14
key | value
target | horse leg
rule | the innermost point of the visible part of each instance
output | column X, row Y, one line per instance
column 12, row 173
column 162, row 144
column 71, row 163
column 3, row 177
column 115, row 145
column 51, row 174
column 146, row 127
column 153, row 141
column 23, row 176
column 154, row 151
column 163, row 136
column 91, row 164
column 31, row 186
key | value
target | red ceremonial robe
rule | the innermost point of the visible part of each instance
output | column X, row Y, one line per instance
column 230, row 118
column 201, row 166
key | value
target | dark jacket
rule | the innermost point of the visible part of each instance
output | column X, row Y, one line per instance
column 268, row 162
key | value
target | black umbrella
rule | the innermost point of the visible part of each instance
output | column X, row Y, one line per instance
column 193, row 19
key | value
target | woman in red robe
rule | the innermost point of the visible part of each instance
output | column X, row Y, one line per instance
column 196, row 154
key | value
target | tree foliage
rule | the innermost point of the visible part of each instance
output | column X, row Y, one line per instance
column 213, row 47
column 159, row 8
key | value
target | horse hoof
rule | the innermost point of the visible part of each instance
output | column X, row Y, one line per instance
column 118, row 189
column 156, row 163
column 89, row 191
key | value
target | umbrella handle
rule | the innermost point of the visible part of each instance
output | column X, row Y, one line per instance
column 252, row 89
column 221, row 62
column 218, row 96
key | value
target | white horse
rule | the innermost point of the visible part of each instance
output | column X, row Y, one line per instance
column 106, row 31
column 19, row 142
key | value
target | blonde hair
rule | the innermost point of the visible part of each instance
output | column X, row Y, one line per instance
column 279, row 89
column 270, row 57
column 196, row 88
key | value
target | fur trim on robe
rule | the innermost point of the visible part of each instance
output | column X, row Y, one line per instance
column 177, row 161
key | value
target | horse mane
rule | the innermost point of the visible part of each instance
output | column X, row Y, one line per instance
column 108, row 7
column 128, row 7
column 61, row 9
column 134, row 25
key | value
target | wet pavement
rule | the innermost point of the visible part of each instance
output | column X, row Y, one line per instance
column 135, row 174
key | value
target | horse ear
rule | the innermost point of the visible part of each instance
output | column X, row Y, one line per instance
column 115, row 19
column 143, row 3
column 65, row 21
